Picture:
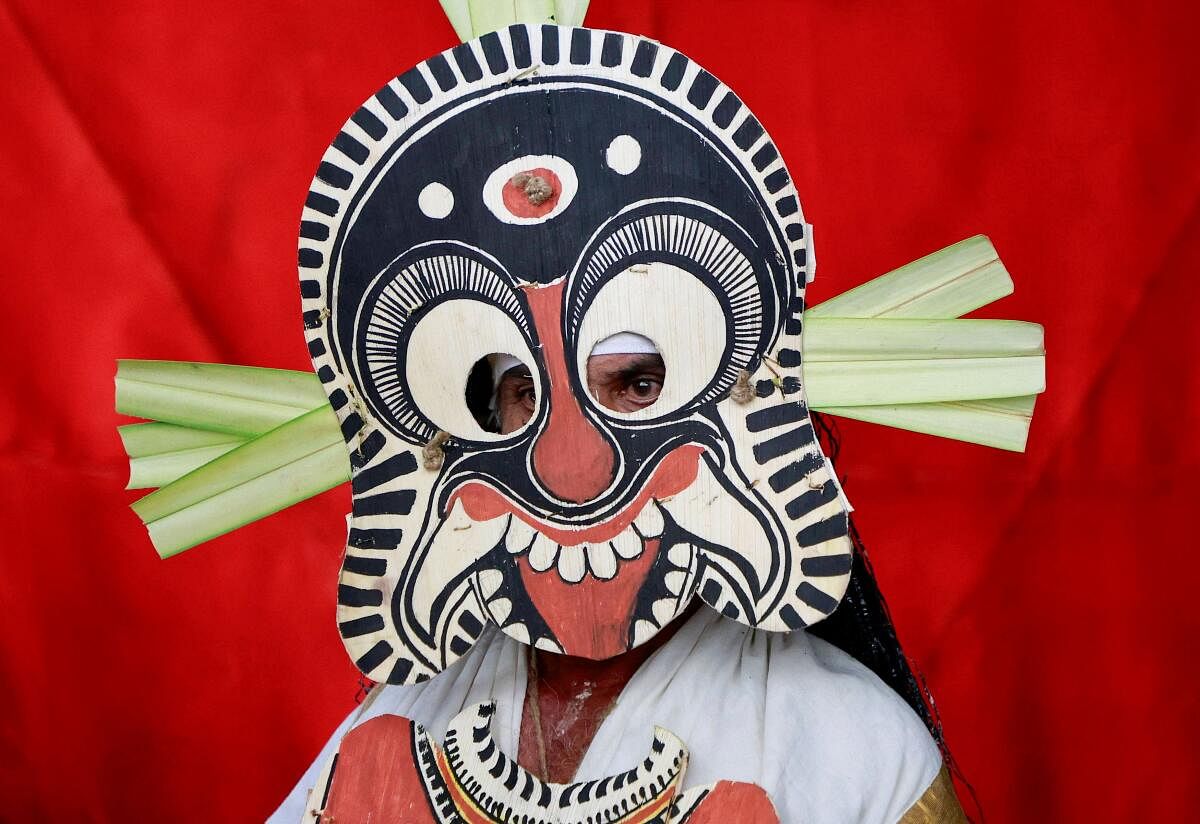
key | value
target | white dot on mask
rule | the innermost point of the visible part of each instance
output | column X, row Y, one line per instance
column 435, row 201
column 623, row 155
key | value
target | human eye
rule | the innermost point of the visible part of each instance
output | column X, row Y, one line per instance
column 527, row 395
column 643, row 389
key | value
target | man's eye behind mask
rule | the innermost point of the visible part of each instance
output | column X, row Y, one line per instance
column 626, row 382
column 501, row 393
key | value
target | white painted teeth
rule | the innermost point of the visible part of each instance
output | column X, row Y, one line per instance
column 548, row 645
column 519, row 535
column 499, row 609
column 649, row 521
column 489, row 581
column 680, row 555
column 664, row 610
column 643, row 631
column 675, row 581
column 572, row 563
column 628, row 545
column 602, row 561
column 543, row 553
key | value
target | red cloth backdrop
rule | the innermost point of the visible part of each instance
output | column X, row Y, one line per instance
column 155, row 159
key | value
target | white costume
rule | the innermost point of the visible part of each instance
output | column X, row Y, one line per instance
column 827, row 740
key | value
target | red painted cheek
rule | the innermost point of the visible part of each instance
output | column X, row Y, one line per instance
column 570, row 457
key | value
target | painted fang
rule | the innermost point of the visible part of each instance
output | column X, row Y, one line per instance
column 460, row 222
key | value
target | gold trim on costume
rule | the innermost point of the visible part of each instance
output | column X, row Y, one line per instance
column 939, row 804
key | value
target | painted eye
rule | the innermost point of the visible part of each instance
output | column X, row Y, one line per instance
column 440, row 358
column 688, row 279
column 670, row 307
column 426, row 324
column 530, row 189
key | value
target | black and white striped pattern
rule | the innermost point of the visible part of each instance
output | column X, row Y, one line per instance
column 693, row 237
column 507, row 792
column 781, row 464
column 507, row 56
column 401, row 294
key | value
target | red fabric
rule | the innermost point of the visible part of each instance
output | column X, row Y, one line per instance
column 156, row 155
column 735, row 801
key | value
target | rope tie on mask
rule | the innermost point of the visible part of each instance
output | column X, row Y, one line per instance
column 536, row 187
column 741, row 392
column 432, row 454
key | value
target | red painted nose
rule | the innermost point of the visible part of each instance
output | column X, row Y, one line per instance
column 570, row 457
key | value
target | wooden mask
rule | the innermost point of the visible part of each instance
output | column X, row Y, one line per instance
column 532, row 193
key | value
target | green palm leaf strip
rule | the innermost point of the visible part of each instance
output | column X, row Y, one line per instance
column 946, row 284
column 235, row 400
column 284, row 466
column 475, row 18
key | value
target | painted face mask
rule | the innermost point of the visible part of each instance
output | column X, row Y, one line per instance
column 534, row 193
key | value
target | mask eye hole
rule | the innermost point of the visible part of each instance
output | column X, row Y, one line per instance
column 686, row 277
column 441, row 358
column 501, row 393
column 422, row 329
column 671, row 322
column 626, row 372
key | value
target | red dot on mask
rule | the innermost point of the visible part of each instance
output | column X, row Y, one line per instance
column 517, row 201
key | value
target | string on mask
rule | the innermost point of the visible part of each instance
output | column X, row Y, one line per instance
column 742, row 391
column 365, row 685
column 432, row 454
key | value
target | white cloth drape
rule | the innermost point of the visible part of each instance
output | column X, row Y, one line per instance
column 819, row 732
